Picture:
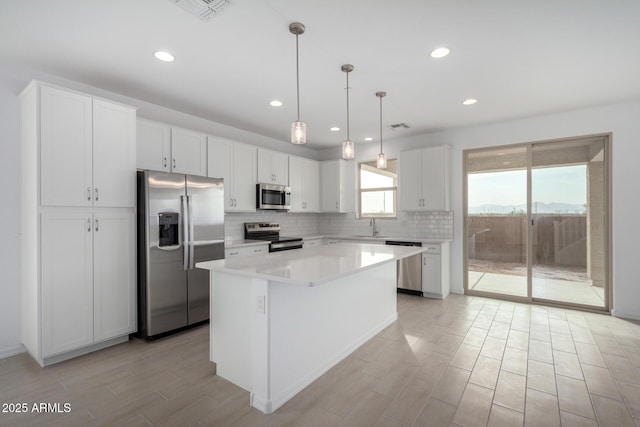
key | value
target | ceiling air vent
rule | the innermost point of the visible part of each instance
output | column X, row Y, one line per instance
column 399, row 126
column 203, row 9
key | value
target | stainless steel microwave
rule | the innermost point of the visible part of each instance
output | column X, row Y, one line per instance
column 271, row 196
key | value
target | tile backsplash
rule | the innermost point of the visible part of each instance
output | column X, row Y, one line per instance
column 428, row 225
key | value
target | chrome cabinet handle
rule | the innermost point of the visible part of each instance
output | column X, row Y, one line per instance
column 89, row 225
column 96, row 194
column 164, row 162
column 88, row 194
column 97, row 225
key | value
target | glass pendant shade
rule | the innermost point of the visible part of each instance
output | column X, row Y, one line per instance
column 382, row 161
column 348, row 150
column 298, row 132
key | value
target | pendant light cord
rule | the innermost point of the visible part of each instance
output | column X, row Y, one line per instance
column 297, row 78
column 348, row 138
column 380, row 124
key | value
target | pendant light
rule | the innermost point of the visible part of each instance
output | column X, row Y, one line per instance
column 298, row 128
column 348, row 149
column 382, row 160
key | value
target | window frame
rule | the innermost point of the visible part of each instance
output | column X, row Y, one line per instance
column 361, row 190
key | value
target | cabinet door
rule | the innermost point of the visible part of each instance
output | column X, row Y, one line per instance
column 244, row 177
column 330, row 194
column 67, row 281
column 311, row 185
column 410, row 181
column 219, row 158
column 435, row 170
column 188, row 152
column 65, row 148
column 265, row 174
column 153, row 144
column 114, row 274
column 296, row 182
column 431, row 275
column 280, row 168
column 114, row 155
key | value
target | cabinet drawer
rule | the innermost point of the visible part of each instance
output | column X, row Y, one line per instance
column 246, row 251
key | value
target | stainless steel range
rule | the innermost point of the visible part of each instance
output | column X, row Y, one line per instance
column 270, row 231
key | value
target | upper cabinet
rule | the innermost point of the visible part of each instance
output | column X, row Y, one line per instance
column 423, row 179
column 336, row 183
column 304, row 180
column 87, row 150
column 273, row 167
column 164, row 148
column 236, row 164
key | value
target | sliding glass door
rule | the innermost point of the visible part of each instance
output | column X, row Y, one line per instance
column 536, row 222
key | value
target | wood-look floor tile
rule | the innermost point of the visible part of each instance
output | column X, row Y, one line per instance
column 515, row 361
column 367, row 411
column 590, row 354
column 582, row 334
column 485, row 372
column 411, row 400
column 541, row 409
column 451, row 385
column 622, row 368
column 599, row 381
column 562, row 342
column 511, row 391
column 493, row 347
column 466, row 356
column 572, row 420
column 612, row 412
column 475, row 336
column 541, row 376
column 503, row 417
column 518, row 340
column 540, row 332
column 608, row 344
column 574, row 396
column 540, row 351
column 474, row 407
column 520, row 323
column 448, row 344
column 436, row 413
column 567, row 364
column 631, row 394
column 499, row 330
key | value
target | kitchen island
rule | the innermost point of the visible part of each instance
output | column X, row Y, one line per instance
column 280, row 320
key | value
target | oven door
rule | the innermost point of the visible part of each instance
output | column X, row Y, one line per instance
column 270, row 196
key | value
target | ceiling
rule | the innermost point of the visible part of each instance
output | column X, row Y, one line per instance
column 517, row 58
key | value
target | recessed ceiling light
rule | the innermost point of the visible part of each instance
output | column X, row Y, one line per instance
column 440, row 52
column 334, row 129
column 164, row 56
column 368, row 138
column 275, row 103
column 469, row 101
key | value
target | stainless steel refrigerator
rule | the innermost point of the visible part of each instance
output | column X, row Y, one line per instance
column 180, row 223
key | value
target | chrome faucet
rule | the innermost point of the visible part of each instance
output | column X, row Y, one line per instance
column 372, row 224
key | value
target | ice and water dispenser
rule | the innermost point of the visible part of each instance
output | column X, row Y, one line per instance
column 168, row 234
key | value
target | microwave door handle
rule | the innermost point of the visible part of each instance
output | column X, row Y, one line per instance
column 191, row 233
column 185, row 234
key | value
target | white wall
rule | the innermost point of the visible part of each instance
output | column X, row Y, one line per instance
column 621, row 120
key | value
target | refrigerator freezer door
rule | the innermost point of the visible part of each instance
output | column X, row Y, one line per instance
column 205, row 200
column 166, row 284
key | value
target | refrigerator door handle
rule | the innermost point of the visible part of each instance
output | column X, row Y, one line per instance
column 185, row 234
column 192, row 263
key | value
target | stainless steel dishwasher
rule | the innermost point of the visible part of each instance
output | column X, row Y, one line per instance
column 409, row 270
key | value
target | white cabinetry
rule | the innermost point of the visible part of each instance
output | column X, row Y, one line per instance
column 424, row 179
column 77, row 251
column 304, row 180
column 334, row 193
column 246, row 250
column 435, row 270
column 87, row 149
column 273, row 167
column 236, row 164
column 163, row 148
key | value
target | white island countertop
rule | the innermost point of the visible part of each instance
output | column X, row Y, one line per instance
column 312, row 266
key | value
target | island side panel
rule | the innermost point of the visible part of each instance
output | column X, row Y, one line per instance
column 314, row 328
column 231, row 327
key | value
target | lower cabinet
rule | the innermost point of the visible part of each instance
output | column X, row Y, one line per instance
column 88, row 290
column 246, row 250
column 435, row 270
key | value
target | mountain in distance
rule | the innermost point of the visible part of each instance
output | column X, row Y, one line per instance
column 537, row 208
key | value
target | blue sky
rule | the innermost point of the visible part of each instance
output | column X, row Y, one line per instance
column 566, row 184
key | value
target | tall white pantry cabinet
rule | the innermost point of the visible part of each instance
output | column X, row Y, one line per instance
column 78, row 222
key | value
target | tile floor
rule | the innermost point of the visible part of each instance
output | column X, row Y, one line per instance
column 464, row 361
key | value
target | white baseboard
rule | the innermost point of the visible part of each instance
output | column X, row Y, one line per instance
column 12, row 351
column 623, row 315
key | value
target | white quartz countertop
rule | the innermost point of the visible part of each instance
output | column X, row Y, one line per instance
column 312, row 266
column 236, row 243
